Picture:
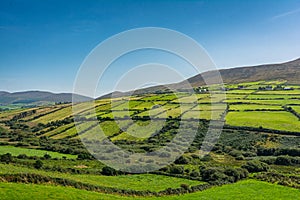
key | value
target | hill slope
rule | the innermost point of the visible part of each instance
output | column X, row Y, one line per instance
column 289, row 71
column 37, row 97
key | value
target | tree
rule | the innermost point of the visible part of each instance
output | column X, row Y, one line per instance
column 185, row 186
column 38, row 164
column 7, row 158
column 213, row 174
column 183, row 160
column 283, row 160
column 176, row 169
column 108, row 171
column 47, row 156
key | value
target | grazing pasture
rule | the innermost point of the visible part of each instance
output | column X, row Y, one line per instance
column 277, row 120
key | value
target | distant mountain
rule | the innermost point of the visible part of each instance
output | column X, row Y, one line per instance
column 289, row 71
column 37, row 97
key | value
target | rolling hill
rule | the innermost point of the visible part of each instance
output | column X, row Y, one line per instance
column 288, row 71
column 37, row 97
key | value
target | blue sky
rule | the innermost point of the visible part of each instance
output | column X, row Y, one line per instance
column 43, row 43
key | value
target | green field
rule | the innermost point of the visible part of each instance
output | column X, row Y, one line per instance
column 249, row 189
column 242, row 107
column 145, row 123
column 32, row 152
column 203, row 114
column 297, row 109
column 12, row 191
column 277, row 120
column 243, row 190
column 139, row 182
column 265, row 102
column 243, row 91
column 58, row 115
column 287, row 92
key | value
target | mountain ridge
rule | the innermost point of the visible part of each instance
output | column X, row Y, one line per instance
column 289, row 71
column 36, row 97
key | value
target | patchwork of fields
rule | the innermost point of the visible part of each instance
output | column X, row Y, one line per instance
column 142, row 123
column 245, row 104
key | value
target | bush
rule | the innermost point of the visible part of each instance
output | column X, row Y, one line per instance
column 206, row 158
column 240, row 157
column 22, row 156
column 176, row 169
column 7, row 158
column 195, row 174
column 235, row 153
column 213, row 174
column 84, row 156
column 47, row 156
column 108, row 171
column 256, row 166
column 287, row 160
column 185, row 186
column 183, row 160
column 38, row 164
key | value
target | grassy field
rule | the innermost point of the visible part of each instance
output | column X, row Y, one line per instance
column 58, row 115
column 282, row 92
column 15, row 151
column 244, row 190
column 244, row 99
column 277, row 120
column 12, row 191
column 297, row 109
column 203, row 114
column 242, row 107
column 136, row 182
column 248, row 107
column 57, row 130
column 243, row 91
column 265, row 101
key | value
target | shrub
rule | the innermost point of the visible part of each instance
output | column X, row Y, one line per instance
column 47, row 156
column 108, row 171
column 185, row 186
column 84, row 156
column 7, row 158
column 206, row 158
column 240, row 157
column 194, row 174
column 183, row 160
column 256, row 166
column 176, row 169
column 235, row 153
column 287, row 160
column 38, row 164
column 22, row 156
column 213, row 174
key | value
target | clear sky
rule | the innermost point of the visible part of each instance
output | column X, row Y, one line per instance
column 43, row 43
